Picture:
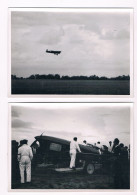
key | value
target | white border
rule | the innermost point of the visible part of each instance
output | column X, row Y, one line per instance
column 130, row 105
column 3, row 80
column 92, row 10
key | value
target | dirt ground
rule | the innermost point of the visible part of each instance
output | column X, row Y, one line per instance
column 43, row 178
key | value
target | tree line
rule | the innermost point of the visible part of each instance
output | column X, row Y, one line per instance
column 66, row 77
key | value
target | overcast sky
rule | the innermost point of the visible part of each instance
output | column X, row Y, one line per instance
column 90, row 43
column 91, row 121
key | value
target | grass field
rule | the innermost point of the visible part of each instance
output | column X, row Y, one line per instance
column 49, row 179
column 71, row 87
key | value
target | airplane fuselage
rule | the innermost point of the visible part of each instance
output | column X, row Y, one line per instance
column 54, row 52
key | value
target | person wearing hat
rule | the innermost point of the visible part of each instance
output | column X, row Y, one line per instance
column 25, row 156
column 73, row 150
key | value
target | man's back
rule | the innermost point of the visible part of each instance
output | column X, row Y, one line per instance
column 74, row 146
column 25, row 150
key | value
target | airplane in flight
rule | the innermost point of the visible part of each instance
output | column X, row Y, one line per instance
column 54, row 52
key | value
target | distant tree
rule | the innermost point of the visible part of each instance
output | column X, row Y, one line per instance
column 37, row 76
column 123, row 77
column 32, row 77
column 57, row 76
column 103, row 78
column 83, row 77
column 94, row 77
column 50, row 76
column 65, row 77
column 13, row 77
column 43, row 76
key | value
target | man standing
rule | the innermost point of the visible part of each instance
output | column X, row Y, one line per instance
column 25, row 156
column 73, row 150
column 116, row 149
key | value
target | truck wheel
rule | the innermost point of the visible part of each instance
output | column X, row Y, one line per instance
column 90, row 168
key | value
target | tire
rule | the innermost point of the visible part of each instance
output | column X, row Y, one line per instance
column 89, row 168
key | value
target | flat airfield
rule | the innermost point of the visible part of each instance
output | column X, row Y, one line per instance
column 70, row 87
column 43, row 178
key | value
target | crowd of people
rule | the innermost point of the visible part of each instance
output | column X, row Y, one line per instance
column 121, row 161
column 121, row 165
column 23, row 154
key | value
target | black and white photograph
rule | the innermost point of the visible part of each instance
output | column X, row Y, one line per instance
column 71, row 51
column 69, row 146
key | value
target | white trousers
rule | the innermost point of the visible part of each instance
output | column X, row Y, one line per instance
column 25, row 165
column 73, row 158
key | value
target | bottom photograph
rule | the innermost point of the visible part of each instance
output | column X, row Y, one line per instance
column 70, row 146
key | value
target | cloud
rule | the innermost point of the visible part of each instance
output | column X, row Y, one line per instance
column 22, row 131
column 15, row 113
column 126, row 133
column 94, row 122
column 51, row 35
column 115, row 34
column 18, row 123
column 123, row 34
column 91, row 43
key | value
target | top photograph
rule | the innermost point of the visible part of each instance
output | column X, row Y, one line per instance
column 71, row 51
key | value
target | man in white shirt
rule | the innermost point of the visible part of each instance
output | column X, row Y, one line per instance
column 73, row 150
column 25, row 156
